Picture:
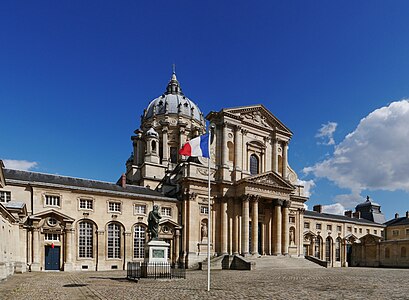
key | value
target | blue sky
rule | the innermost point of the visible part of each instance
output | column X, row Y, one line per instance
column 75, row 77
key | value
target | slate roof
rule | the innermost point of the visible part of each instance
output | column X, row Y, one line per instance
column 333, row 217
column 398, row 221
column 72, row 182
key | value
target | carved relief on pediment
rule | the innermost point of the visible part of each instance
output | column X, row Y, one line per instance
column 257, row 118
column 266, row 180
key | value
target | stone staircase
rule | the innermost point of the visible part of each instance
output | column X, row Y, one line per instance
column 258, row 263
column 282, row 262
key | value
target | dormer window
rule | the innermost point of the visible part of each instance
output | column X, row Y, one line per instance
column 5, row 196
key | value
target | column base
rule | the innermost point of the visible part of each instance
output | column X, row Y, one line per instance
column 68, row 267
column 35, row 267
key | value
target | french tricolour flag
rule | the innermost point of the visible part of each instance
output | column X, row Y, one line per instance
column 198, row 146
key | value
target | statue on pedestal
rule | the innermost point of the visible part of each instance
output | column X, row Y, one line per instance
column 153, row 222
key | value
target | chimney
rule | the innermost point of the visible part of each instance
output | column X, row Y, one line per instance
column 123, row 181
column 407, row 214
column 357, row 215
column 317, row 208
column 396, row 215
column 348, row 213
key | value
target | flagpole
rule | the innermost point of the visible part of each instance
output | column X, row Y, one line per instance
column 209, row 222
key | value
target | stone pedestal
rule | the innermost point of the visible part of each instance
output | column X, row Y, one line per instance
column 156, row 260
column 156, row 251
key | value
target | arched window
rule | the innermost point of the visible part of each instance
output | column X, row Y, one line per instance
column 403, row 252
column 328, row 249
column 173, row 155
column 153, row 146
column 230, row 147
column 139, row 241
column 114, row 240
column 338, row 249
column 387, row 253
column 317, row 250
column 85, row 240
column 254, row 164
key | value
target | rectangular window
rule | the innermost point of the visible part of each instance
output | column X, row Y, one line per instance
column 339, row 228
column 318, row 226
column 367, row 231
column 52, row 200
column 52, row 237
column 204, row 209
column 329, row 227
column 349, row 228
column 360, row 230
column 395, row 232
column 306, row 225
column 114, row 207
column 292, row 219
column 5, row 196
column 86, row 203
column 355, row 230
column 166, row 211
column 407, row 231
column 375, row 231
column 140, row 209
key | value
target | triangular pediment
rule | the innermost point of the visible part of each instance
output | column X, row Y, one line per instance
column 270, row 179
column 54, row 213
column 169, row 222
column 260, row 116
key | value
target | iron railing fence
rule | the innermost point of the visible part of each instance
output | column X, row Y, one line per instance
column 157, row 270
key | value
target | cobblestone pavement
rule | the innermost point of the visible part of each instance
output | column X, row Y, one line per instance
column 336, row 283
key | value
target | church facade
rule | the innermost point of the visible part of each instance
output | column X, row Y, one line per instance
column 257, row 203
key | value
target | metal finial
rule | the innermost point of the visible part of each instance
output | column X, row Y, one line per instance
column 174, row 68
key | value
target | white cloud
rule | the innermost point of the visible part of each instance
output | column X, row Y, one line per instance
column 374, row 156
column 23, row 165
column 336, row 208
column 326, row 133
column 308, row 186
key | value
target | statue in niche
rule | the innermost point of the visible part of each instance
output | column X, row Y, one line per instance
column 292, row 236
column 203, row 231
column 153, row 222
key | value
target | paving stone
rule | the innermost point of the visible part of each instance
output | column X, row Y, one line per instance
column 334, row 283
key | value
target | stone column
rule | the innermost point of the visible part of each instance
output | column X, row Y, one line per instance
column 285, row 159
column 275, row 156
column 245, row 226
column 68, row 247
column 277, row 203
column 312, row 247
column 182, row 138
column 128, row 256
column 254, row 225
column 301, row 233
column 269, row 225
column 230, row 215
column 35, row 266
column 238, row 152
column 177, row 246
column 236, row 215
column 225, row 150
column 165, row 146
column 101, row 250
column 223, row 227
column 285, row 227
column 263, row 239
column 245, row 167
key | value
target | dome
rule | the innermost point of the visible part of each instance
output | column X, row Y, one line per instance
column 368, row 202
column 173, row 101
